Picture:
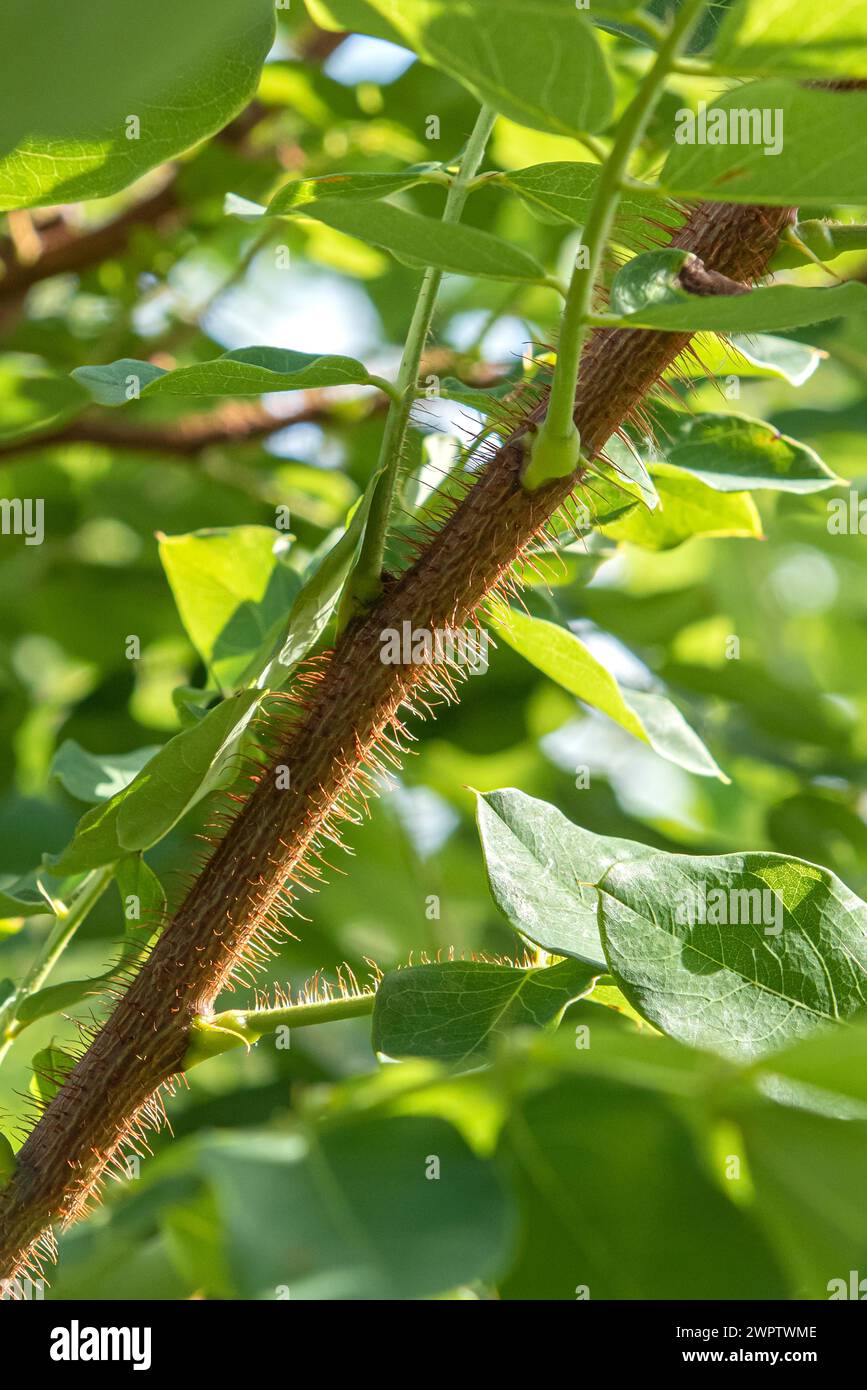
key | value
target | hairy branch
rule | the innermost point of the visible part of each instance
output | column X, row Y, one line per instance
column 331, row 748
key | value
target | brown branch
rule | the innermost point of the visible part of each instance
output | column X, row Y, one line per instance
column 329, row 751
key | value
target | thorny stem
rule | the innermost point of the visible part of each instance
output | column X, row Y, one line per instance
column 66, row 924
column 340, row 734
column 365, row 584
column 556, row 450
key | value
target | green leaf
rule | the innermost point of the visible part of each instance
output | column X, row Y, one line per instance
column 605, row 1172
column 834, row 1060
column 33, row 398
column 419, row 241
column 180, row 774
column 51, row 1065
column 775, row 36
column 739, row 954
column 732, row 452
column 7, row 1160
column 542, row 66
column 358, row 187
column 24, row 897
column 317, row 599
column 231, row 588
column 821, row 159
column 650, row 717
column 455, row 1011
column 749, row 355
column 561, row 192
column 244, row 372
column 326, row 1213
column 687, row 508
column 97, row 776
column 824, row 240
column 54, row 998
column 541, row 871
column 647, row 292
column 807, row 1172
column 180, row 71
column 143, row 901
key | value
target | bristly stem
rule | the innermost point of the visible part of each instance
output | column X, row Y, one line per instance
column 365, row 584
column 556, row 449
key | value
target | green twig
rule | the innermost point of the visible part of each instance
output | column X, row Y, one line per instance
column 241, row 1028
column 66, row 924
column 365, row 584
column 556, row 448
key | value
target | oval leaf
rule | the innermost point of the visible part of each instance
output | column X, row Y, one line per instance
column 739, row 954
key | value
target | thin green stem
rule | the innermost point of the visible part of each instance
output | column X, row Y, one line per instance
column 209, row 1037
column 65, row 926
column 365, row 584
column 557, row 436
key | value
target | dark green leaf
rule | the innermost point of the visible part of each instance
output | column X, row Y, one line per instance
column 245, row 372
column 455, row 1011
column 740, row 953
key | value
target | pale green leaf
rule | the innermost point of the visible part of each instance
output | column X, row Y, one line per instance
column 804, row 40
column 648, row 716
column 231, row 588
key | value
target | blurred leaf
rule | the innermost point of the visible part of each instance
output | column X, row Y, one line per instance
column 180, row 72
column 541, row 871
column 249, row 371
column 325, row 1215
column 51, row 1065
column 542, row 67
column 738, row 953
column 97, row 776
column 419, row 241
column 580, row 1152
column 808, row 1175
column 649, row 716
column 820, row 159
column 774, row 36
column 455, row 1011
column 34, row 398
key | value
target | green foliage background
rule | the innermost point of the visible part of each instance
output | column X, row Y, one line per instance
column 556, row 1172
